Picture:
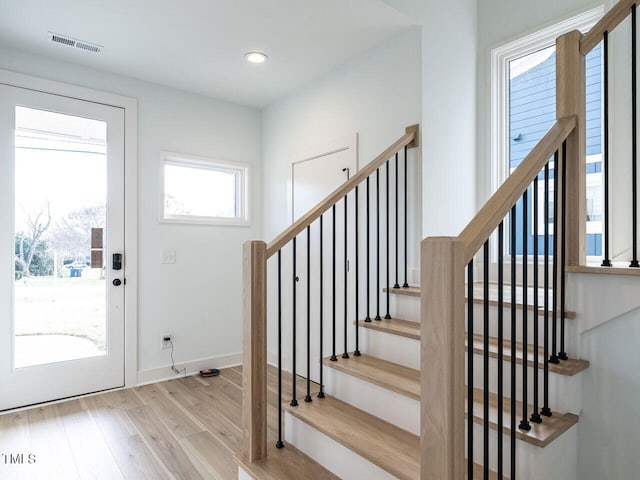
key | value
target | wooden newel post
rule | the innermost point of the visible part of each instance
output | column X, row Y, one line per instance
column 254, row 350
column 442, row 387
column 571, row 100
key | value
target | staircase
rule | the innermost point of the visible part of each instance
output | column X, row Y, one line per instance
column 459, row 377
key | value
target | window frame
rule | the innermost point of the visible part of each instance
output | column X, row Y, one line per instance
column 242, row 171
column 500, row 100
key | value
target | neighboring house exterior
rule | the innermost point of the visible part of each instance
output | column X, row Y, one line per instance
column 532, row 111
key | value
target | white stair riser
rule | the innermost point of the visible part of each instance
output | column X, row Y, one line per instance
column 388, row 346
column 533, row 463
column 564, row 391
column 557, row 461
column 404, row 306
column 332, row 455
column 408, row 308
column 478, row 326
column 383, row 403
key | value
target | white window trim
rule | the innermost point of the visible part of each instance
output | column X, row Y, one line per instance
column 500, row 58
column 242, row 189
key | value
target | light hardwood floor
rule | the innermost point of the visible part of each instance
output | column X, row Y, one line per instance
column 187, row 428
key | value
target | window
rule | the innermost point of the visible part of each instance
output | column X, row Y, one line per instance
column 203, row 190
column 523, row 109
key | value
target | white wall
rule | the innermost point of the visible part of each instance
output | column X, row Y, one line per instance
column 376, row 95
column 197, row 300
column 449, row 49
column 448, row 116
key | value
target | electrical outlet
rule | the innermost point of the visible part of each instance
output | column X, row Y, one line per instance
column 165, row 342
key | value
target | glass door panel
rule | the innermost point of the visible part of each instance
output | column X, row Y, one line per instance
column 60, row 199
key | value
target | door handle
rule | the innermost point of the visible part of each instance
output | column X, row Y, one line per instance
column 117, row 282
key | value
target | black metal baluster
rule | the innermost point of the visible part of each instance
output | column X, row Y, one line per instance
column 535, row 415
column 485, row 281
column 333, row 248
column 387, row 215
column 294, row 401
column 500, row 346
column 606, row 261
column 308, row 397
column 554, row 280
column 406, row 282
column 512, row 221
column 345, row 354
column 321, row 392
column 562, row 354
column 378, row 245
column 368, row 228
column 524, row 422
column 356, row 352
column 634, row 138
column 397, row 284
column 546, row 411
column 279, row 443
column 470, row 369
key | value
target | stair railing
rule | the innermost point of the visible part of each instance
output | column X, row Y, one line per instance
column 257, row 253
column 444, row 395
column 549, row 184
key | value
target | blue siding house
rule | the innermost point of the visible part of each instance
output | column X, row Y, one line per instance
column 532, row 111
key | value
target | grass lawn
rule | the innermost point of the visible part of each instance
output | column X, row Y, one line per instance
column 62, row 306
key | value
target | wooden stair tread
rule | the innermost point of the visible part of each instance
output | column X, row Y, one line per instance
column 406, row 381
column 410, row 329
column 396, row 326
column 568, row 367
column 540, row 435
column 478, row 297
column 398, row 378
column 389, row 447
column 408, row 291
column 287, row 463
column 617, row 269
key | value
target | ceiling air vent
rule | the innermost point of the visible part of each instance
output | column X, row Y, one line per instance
column 72, row 42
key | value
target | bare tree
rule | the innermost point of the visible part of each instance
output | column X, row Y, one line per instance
column 71, row 237
column 37, row 224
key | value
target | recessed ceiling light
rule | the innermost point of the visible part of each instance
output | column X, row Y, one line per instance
column 256, row 57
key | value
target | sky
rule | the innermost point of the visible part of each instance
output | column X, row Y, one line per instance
column 60, row 160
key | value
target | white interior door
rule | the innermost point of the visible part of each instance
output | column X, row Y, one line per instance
column 61, row 222
column 314, row 177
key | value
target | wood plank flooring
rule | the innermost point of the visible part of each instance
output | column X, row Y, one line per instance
column 187, row 428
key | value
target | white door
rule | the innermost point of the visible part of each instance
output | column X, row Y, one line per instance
column 62, row 264
column 314, row 177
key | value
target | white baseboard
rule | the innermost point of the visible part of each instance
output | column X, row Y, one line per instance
column 154, row 375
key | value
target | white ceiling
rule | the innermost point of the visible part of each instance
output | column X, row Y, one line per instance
column 198, row 45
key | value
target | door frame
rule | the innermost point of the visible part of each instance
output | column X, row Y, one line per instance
column 130, row 107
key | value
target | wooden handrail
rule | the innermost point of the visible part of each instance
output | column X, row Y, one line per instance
column 607, row 24
column 498, row 206
column 410, row 139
